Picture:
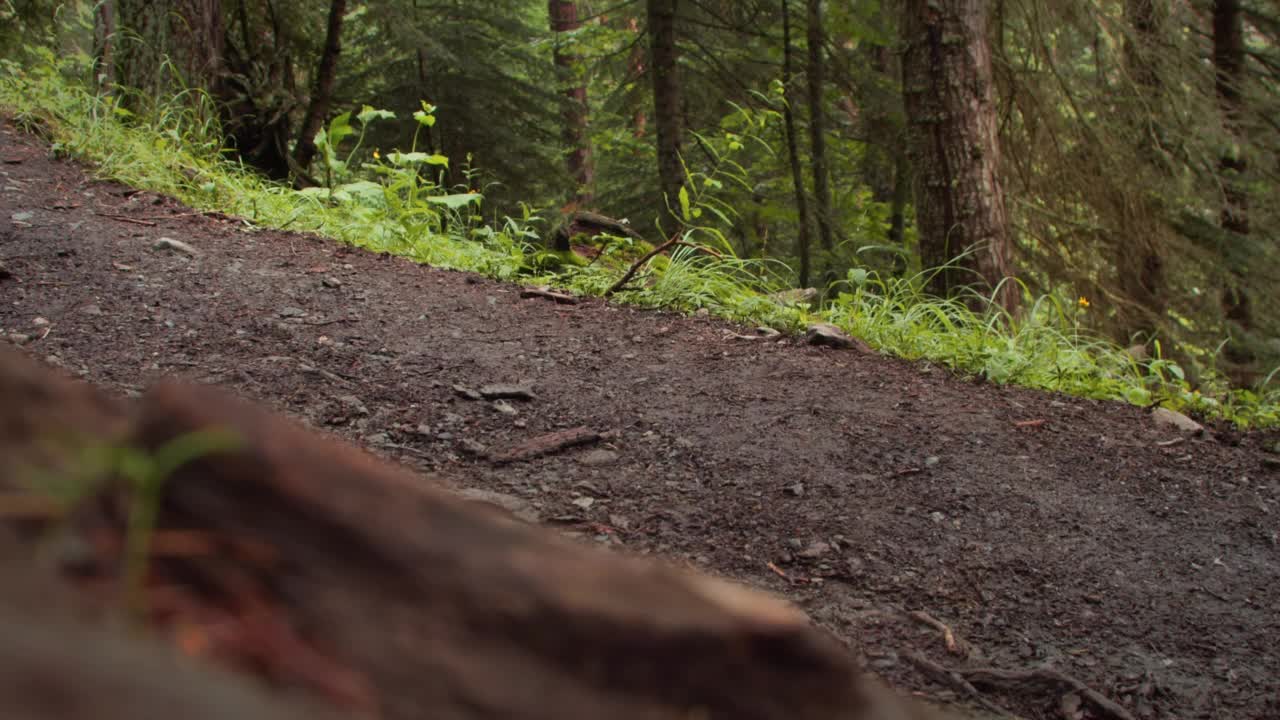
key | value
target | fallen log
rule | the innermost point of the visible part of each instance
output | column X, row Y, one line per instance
column 310, row 564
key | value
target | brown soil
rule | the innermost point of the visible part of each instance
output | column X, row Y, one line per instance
column 1043, row 530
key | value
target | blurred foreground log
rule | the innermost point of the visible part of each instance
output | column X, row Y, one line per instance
column 306, row 562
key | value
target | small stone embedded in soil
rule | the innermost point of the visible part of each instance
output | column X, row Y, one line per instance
column 937, row 517
column 168, row 243
column 829, row 335
column 514, row 392
column 504, row 407
column 331, row 282
column 467, row 392
column 22, row 217
column 584, row 502
column 292, row 312
column 40, row 322
column 815, row 550
column 354, row 404
column 91, row 310
column 931, row 460
column 19, row 338
column 1164, row 417
column 599, row 457
column 517, row 506
column 796, row 490
column 473, row 447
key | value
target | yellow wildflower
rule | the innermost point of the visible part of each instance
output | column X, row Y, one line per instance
column 1084, row 301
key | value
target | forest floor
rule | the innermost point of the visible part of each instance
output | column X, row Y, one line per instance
column 1040, row 529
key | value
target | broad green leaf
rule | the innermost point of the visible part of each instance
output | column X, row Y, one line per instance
column 438, row 160
column 399, row 158
column 369, row 114
column 684, row 202
column 340, row 127
column 453, row 202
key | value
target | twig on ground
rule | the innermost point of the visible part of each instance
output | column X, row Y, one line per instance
column 124, row 218
column 954, row 644
column 783, row 574
column 546, row 444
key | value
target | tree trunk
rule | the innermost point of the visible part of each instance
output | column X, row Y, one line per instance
column 564, row 18
column 636, row 63
column 326, row 71
column 901, row 195
column 793, row 152
column 1139, row 262
column 190, row 33
column 1228, row 62
column 953, row 141
column 104, row 32
column 818, row 126
column 666, row 100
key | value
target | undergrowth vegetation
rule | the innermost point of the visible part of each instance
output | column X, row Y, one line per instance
column 387, row 201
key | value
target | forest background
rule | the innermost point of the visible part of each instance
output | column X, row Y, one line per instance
column 1071, row 195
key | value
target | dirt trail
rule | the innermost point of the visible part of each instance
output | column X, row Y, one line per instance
column 1041, row 529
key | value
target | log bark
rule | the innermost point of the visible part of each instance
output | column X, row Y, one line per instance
column 323, row 570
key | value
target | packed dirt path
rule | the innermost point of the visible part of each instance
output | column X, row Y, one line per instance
column 1041, row 530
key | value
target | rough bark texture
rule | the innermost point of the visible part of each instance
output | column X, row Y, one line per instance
column 954, row 145
column 793, row 150
column 1228, row 62
column 1140, row 266
column 564, row 18
column 818, row 125
column 322, row 93
column 322, row 569
column 666, row 100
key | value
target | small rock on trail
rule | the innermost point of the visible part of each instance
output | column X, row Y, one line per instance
column 1165, row 417
column 168, row 243
column 829, row 335
column 499, row 391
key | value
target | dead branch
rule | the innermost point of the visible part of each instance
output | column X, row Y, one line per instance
column 546, row 444
column 635, row 267
column 955, row 645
